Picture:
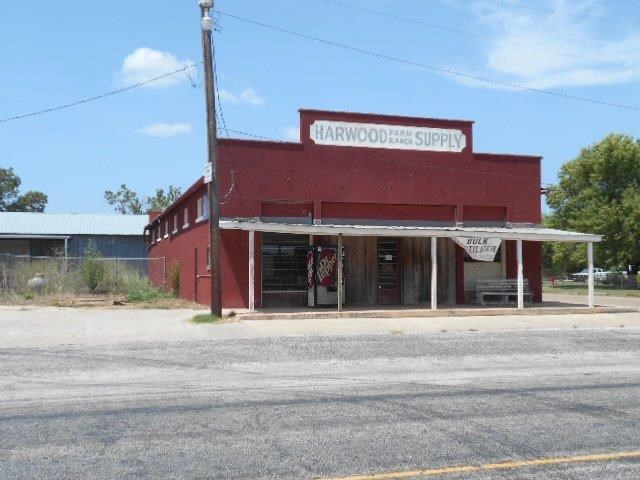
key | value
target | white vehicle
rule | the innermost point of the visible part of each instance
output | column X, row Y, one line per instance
column 599, row 274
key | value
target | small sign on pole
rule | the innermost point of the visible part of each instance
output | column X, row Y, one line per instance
column 207, row 173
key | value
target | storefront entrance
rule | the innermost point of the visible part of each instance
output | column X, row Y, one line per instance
column 389, row 289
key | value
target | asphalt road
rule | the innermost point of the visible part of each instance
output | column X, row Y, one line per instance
column 323, row 406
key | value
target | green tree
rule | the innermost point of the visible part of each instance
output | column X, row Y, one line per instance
column 599, row 192
column 126, row 201
column 10, row 198
column 161, row 200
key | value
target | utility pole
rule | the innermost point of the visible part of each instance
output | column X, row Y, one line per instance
column 212, row 140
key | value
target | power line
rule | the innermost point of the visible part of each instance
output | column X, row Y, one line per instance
column 97, row 97
column 429, row 67
column 215, row 75
column 475, row 34
column 253, row 135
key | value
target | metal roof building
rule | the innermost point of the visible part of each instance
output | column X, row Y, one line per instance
column 44, row 234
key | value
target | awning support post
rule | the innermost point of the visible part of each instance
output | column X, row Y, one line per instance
column 252, row 279
column 520, row 275
column 590, row 287
column 340, row 272
column 434, row 273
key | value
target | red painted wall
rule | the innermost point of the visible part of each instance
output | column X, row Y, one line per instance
column 441, row 213
column 260, row 178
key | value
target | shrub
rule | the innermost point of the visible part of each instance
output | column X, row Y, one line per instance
column 174, row 278
column 92, row 270
column 138, row 288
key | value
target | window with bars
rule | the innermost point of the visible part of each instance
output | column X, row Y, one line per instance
column 284, row 262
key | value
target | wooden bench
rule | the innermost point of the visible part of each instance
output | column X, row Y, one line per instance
column 501, row 291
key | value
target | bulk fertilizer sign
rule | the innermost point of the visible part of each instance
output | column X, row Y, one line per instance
column 375, row 135
column 484, row 248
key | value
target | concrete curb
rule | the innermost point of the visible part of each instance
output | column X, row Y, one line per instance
column 426, row 313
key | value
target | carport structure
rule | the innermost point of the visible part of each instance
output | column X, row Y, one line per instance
column 519, row 234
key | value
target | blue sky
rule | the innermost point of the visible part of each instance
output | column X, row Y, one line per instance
column 154, row 136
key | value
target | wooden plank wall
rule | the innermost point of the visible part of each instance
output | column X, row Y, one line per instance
column 416, row 271
column 361, row 270
column 416, row 275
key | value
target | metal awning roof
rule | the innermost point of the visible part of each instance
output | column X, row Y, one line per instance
column 536, row 234
column 39, row 225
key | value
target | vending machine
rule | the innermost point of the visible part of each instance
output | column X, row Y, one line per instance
column 322, row 275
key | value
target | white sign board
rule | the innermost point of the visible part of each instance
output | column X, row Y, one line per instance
column 377, row 135
column 484, row 248
column 207, row 173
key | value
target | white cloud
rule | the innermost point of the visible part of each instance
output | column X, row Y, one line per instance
column 594, row 55
column 165, row 130
column 248, row 95
column 292, row 133
column 145, row 63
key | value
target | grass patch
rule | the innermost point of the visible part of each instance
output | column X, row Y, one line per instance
column 205, row 318
column 581, row 289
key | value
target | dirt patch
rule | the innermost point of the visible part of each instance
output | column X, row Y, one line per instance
column 98, row 301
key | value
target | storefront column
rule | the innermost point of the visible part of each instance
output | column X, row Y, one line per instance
column 520, row 275
column 434, row 273
column 252, row 254
column 340, row 272
column 590, row 287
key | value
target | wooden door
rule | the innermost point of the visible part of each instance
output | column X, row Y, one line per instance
column 389, row 271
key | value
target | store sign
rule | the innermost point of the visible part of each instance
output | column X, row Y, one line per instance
column 376, row 135
column 482, row 248
column 207, row 173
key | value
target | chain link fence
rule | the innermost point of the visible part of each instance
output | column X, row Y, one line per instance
column 602, row 280
column 24, row 274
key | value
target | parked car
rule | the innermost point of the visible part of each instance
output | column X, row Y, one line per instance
column 599, row 274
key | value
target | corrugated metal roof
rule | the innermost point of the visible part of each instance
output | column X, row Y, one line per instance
column 508, row 233
column 19, row 223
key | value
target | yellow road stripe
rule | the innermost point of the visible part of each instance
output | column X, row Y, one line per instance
column 599, row 457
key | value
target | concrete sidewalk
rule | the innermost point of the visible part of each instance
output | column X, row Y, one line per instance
column 52, row 326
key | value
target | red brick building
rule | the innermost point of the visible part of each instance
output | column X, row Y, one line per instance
column 386, row 187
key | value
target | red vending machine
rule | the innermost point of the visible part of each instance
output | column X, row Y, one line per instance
column 322, row 275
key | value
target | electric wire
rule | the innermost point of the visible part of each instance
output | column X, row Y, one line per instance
column 215, row 79
column 427, row 66
column 98, row 97
column 475, row 34
column 252, row 135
